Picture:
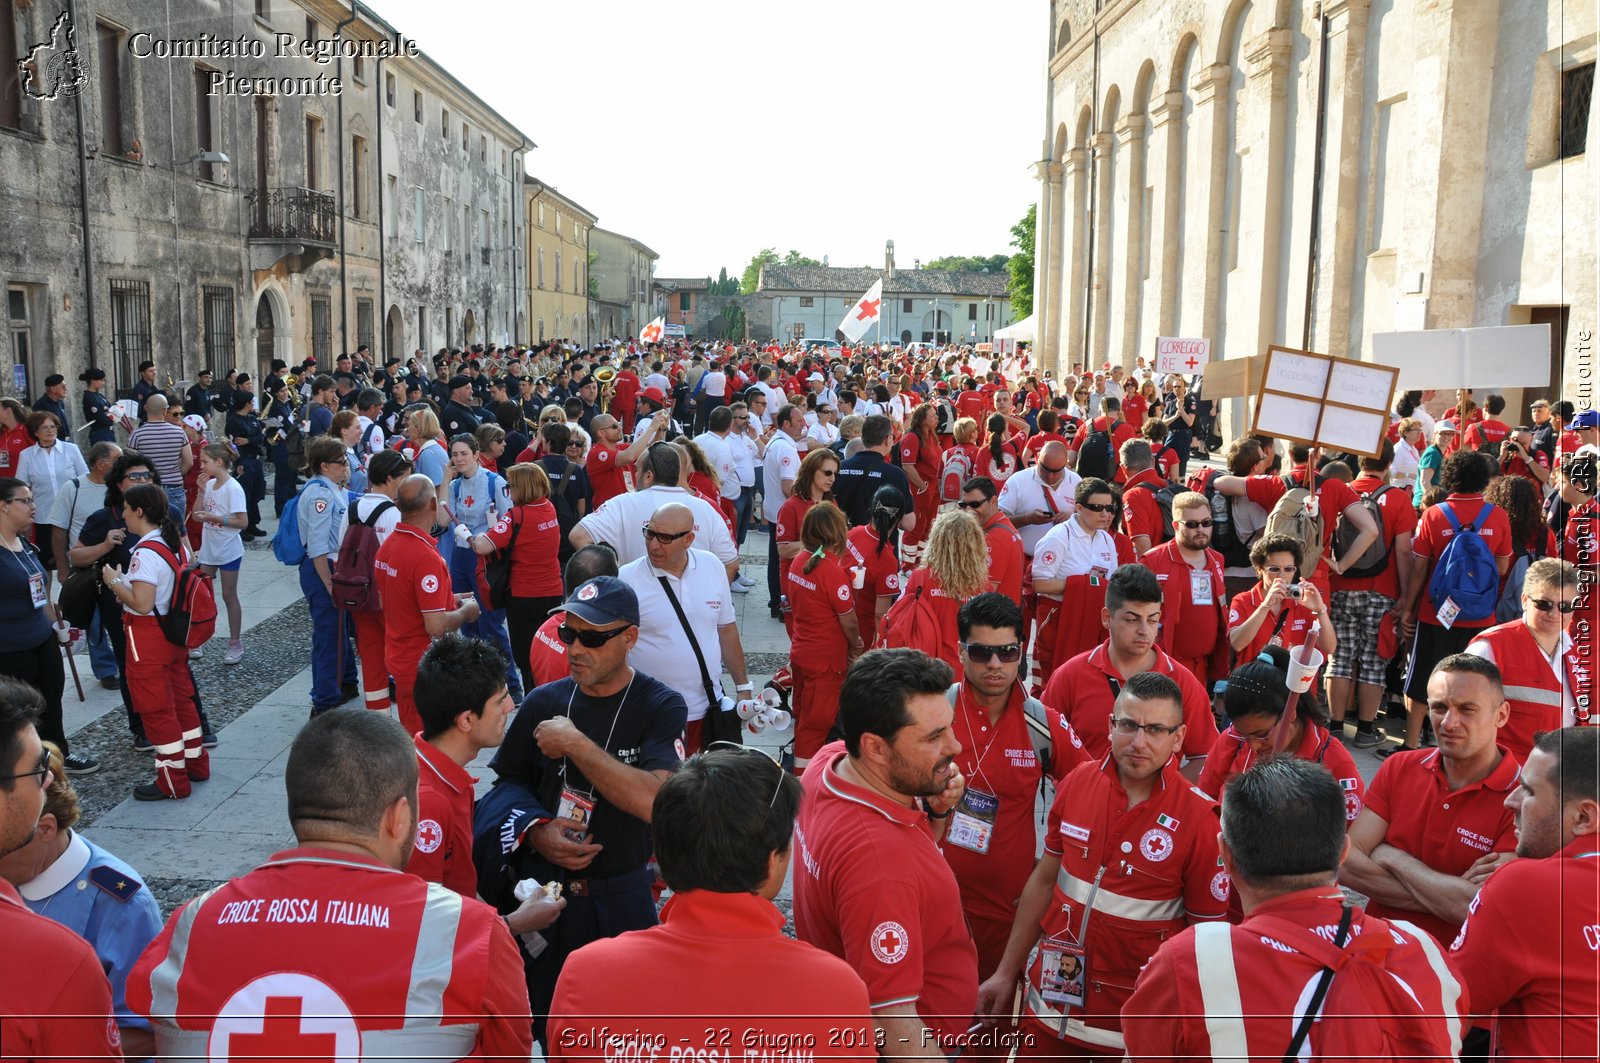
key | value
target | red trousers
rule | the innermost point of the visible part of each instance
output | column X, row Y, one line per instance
column 406, row 703
column 374, row 671
column 816, row 706
column 926, row 506
column 162, row 692
column 694, row 735
column 1200, row 666
column 1043, row 655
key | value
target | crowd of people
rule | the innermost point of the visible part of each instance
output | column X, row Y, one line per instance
column 1013, row 600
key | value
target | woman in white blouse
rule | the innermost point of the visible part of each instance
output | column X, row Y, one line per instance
column 46, row 467
column 1407, row 454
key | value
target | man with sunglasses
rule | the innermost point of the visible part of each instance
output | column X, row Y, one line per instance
column 1130, row 859
column 1194, row 603
column 723, row 827
column 1543, row 671
column 575, row 781
column 59, row 1005
column 979, row 497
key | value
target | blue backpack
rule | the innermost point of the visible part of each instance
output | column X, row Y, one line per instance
column 1466, row 573
column 286, row 544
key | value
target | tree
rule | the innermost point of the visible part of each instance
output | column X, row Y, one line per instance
column 769, row 256
column 733, row 324
column 1021, row 264
column 970, row 263
column 724, row 285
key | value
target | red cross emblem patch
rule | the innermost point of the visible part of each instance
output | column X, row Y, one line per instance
column 889, row 942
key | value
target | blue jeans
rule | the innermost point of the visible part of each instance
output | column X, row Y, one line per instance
column 491, row 623
column 744, row 507
column 177, row 499
column 102, row 655
column 330, row 666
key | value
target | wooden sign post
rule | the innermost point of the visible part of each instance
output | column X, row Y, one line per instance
column 1322, row 401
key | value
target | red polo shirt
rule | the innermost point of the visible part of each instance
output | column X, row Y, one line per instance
column 1434, row 531
column 1291, row 634
column 926, row 459
column 1084, row 689
column 413, row 579
column 1528, row 950
column 973, row 404
column 1005, row 557
column 871, row 887
column 443, row 852
column 1399, row 518
column 55, row 1002
column 1232, row 756
column 547, row 654
column 790, row 516
column 12, row 444
column 605, row 474
column 882, row 578
column 1190, row 631
column 1446, row 829
column 1141, row 513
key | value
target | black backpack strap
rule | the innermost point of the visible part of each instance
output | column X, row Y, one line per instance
column 379, row 510
column 1303, row 1030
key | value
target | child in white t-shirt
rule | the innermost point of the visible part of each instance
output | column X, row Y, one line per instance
column 220, row 511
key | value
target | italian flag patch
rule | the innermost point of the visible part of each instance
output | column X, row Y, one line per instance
column 1167, row 822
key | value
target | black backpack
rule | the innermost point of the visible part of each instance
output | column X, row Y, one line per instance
column 1097, row 458
column 1164, row 498
column 565, row 513
column 1225, row 538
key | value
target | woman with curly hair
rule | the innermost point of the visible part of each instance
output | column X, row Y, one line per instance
column 824, row 634
column 1525, row 510
column 955, row 567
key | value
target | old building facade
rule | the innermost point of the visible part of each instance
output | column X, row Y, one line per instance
column 1285, row 171
column 624, row 272
column 183, row 185
column 557, row 267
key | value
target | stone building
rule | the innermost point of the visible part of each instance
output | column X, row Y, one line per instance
column 919, row 305
column 557, row 266
column 624, row 272
column 1284, row 171
column 685, row 301
column 182, row 183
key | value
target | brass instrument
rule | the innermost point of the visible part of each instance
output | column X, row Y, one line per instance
column 607, row 377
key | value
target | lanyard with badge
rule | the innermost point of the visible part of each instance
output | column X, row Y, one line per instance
column 972, row 821
column 578, row 804
column 1200, row 587
column 32, row 569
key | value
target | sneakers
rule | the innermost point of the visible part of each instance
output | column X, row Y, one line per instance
column 141, row 744
column 1387, row 751
column 80, row 764
column 739, row 586
column 208, row 738
column 153, row 792
column 195, row 654
column 1368, row 739
column 111, row 682
column 235, row 653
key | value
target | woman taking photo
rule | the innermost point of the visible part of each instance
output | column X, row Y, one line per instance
column 825, row 636
column 874, row 562
column 1179, row 412
column 812, row 484
column 45, row 467
column 159, row 679
column 220, row 512
column 532, row 532
column 29, row 648
column 477, row 499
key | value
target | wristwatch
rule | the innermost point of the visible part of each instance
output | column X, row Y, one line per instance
column 941, row 815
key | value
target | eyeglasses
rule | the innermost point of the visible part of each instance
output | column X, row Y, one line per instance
column 970, row 504
column 591, row 639
column 736, row 747
column 1274, row 570
column 662, row 537
column 1099, row 507
column 1544, row 605
column 1127, row 728
column 1051, row 470
column 42, row 772
column 25, row 501
column 978, row 653
column 139, row 477
column 1193, row 524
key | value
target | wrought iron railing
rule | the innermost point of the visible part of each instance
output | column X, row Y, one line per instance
column 292, row 214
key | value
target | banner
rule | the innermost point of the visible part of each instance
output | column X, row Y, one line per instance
column 1502, row 356
column 1323, row 401
column 1175, row 354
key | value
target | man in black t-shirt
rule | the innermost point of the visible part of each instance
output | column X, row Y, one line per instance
column 575, row 780
column 860, row 476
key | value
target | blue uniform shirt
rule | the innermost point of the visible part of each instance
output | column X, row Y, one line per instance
column 474, row 498
column 321, row 513
column 105, row 902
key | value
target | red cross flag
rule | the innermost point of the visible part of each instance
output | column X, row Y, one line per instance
column 651, row 333
column 864, row 314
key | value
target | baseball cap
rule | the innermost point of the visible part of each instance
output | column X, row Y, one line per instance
column 1586, row 419
column 460, row 380
column 815, row 376
column 655, row 395
column 602, row 600
column 195, row 421
column 1444, row 426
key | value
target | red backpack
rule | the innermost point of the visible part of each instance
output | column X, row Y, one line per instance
column 191, row 616
column 355, row 588
column 912, row 622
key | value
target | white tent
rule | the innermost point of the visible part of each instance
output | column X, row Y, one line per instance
column 1021, row 331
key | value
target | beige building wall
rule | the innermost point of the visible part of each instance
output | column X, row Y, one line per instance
column 1179, row 189
column 558, row 265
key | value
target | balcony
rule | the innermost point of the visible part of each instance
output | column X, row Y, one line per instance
column 285, row 222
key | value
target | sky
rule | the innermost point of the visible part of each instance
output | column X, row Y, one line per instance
column 709, row 129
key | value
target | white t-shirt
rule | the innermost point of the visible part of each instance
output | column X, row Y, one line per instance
column 621, row 522
column 1068, row 550
column 716, row 383
column 743, row 448
column 220, row 546
column 74, row 502
column 659, row 380
column 663, row 651
column 720, row 455
column 822, row 434
column 362, row 508
column 148, row 566
column 1024, row 493
column 776, row 400
column 781, row 463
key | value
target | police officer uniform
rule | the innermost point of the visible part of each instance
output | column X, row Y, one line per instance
column 198, row 400
column 321, row 513
column 56, row 406
column 246, row 425
column 642, row 726
column 143, row 390
column 453, row 416
column 98, row 411
column 104, row 901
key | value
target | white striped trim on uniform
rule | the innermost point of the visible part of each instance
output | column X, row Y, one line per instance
column 1449, row 988
column 1219, row 991
column 1133, row 908
column 1533, row 695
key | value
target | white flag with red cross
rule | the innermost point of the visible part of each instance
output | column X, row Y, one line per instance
column 862, row 316
column 651, row 333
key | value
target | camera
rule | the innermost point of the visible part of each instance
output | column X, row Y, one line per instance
column 1294, row 590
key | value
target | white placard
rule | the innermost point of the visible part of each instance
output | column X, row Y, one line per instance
column 1353, row 430
column 129, row 408
column 1360, row 385
column 1177, row 354
column 1280, row 415
column 1503, row 356
column 1297, row 374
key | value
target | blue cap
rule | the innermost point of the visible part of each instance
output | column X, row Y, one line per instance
column 1586, row 419
column 603, row 600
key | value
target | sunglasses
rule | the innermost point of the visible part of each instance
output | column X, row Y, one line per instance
column 1100, row 507
column 139, row 477
column 1193, row 524
column 591, row 639
column 42, row 772
column 650, row 534
column 1051, row 470
column 978, row 653
column 737, row 748
column 972, row 505
column 1544, row 605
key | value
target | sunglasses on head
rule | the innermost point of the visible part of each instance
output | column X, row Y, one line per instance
column 978, row 653
column 1544, row 605
column 591, row 639
column 737, row 748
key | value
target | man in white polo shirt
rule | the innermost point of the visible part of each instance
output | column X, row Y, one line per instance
column 620, row 522
column 717, row 442
column 1037, row 499
column 778, row 471
column 698, row 583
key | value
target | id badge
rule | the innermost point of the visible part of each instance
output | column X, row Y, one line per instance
column 37, row 591
column 574, row 806
column 1097, row 576
column 1200, row 588
column 971, row 826
column 1448, row 612
column 1063, row 969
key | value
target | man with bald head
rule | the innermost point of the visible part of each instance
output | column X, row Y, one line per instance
column 418, row 605
column 166, row 444
column 1036, row 499
column 608, row 458
column 687, row 628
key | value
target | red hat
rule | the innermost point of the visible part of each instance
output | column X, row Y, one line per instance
column 655, row 395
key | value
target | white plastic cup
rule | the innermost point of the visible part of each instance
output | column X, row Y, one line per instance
column 1301, row 673
column 756, row 724
column 63, row 632
column 771, row 698
column 778, row 720
column 858, row 576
